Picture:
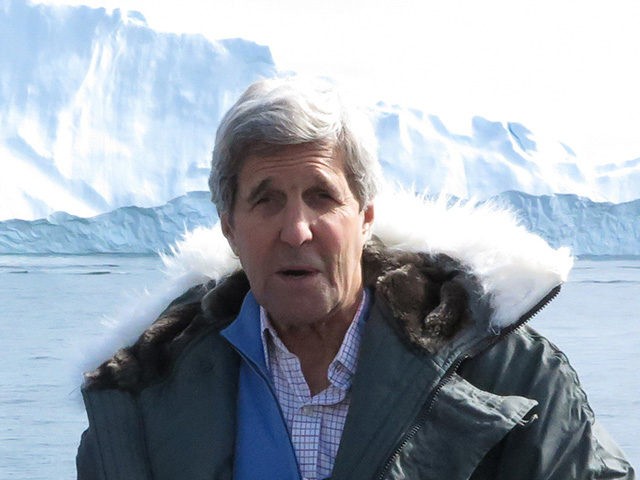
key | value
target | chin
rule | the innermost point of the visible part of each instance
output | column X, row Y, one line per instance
column 305, row 306
column 298, row 311
column 299, row 316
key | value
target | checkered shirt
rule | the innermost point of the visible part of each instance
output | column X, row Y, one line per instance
column 315, row 423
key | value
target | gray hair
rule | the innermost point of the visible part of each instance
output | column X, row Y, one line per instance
column 274, row 113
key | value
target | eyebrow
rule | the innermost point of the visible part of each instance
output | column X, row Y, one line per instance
column 266, row 184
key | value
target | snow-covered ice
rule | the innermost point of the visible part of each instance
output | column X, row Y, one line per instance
column 99, row 113
column 587, row 227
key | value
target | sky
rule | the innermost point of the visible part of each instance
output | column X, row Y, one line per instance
column 568, row 70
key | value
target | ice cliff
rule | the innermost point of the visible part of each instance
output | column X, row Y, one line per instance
column 589, row 228
column 103, row 118
column 98, row 111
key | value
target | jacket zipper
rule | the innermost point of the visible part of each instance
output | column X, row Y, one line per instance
column 428, row 406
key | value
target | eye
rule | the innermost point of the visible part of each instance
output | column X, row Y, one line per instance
column 322, row 199
column 325, row 195
column 267, row 203
column 262, row 200
column 266, row 197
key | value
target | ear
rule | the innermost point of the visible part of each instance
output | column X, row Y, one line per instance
column 227, row 230
column 367, row 222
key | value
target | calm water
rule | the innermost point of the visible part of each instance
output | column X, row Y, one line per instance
column 51, row 305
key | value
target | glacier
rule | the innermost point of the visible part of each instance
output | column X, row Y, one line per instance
column 107, row 120
column 419, row 150
column 126, row 230
column 588, row 228
column 98, row 111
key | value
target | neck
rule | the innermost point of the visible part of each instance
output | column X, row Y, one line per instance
column 317, row 344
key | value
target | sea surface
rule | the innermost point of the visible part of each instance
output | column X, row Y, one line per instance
column 53, row 309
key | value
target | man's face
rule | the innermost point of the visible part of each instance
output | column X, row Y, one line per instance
column 299, row 232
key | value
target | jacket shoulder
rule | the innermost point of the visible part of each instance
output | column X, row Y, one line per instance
column 518, row 363
column 562, row 438
column 200, row 310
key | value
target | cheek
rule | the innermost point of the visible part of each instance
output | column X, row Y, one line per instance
column 251, row 251
column 346, row 242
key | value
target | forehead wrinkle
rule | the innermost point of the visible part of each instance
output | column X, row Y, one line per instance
column 318, row 173
column 290, row 156
column 322, row 169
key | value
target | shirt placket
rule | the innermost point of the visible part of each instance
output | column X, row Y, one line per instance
column 307, row 417
column 316, row 423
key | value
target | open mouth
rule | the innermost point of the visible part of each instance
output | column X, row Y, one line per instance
column 297, row 272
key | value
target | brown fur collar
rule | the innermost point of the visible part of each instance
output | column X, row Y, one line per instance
column 426, row 295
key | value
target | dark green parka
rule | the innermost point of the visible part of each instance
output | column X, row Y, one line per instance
column 451, row 383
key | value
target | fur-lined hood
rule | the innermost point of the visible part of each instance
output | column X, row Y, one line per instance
column 438, row 266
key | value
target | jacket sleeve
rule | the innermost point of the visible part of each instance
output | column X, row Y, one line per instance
column 113, row 446
column 88, row 459
column 562, row 439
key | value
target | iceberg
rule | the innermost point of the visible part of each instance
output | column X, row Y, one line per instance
column 106, row 128
column 588, row 228
column 98, row 111
column 126, row 230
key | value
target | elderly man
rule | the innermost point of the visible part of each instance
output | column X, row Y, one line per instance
column 329, row 353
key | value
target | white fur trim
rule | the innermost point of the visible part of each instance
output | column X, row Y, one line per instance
column 201, row 255
column 515, row 267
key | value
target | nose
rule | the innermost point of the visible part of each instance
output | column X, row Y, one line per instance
column 296, row 225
